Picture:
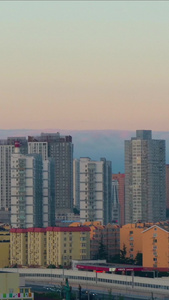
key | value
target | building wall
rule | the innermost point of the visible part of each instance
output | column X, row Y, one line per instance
column 36, row 246
column 4, row 251
column 115, row 202
column 6, row 150
column 51, row 245
column 60, row 148
column 5, row 171
column 4, row 246
column 155, row 247
column 9, row 282
column 76, row 183
column 121, row 181
column 145, row 185
column 131, row 237
column 26, row 190
column 95, row 190
column 72, row 243
column 38, row 148
column 109, row 236
column 18, row 247
column 48, row 206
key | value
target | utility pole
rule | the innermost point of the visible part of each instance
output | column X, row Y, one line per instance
column 80, row 291
column 96, row 276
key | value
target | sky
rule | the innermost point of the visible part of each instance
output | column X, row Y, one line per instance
column 84, row 65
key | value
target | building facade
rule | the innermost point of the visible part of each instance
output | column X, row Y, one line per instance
column 95, row 190
column 36, row 246
column 156, row 246
column 49, row 246
column 76, row 183
column 18, row 247
column 48, row 186
column 11, row 287
column 131, row 238
column 60, row 148
column 6, row 150
column 26, row 190
column 145, row 185
column 115, row 202
column 121, row 193
column 32, row 190
column 108, row 236
column 4, row 246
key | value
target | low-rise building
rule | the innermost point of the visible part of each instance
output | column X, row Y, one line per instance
column 4, row 246
column 131, row 238
column 36, row 248
column 70, row 242
column 10, row 287
column 18, row 247
column 106, row 236
column 155, row 240
column 51, row 245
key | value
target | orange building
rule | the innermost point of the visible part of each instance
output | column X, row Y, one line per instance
column 108, row 234
column 155, row 246
column 131, row 237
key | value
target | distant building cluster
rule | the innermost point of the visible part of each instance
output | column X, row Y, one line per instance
column 77, row 208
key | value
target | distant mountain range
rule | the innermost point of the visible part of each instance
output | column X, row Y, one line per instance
column 94, row 143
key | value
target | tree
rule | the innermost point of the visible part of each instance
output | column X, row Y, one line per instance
column 123, row 252
column 51, row 266
column 114, row 259
column 102, row 254
column 76, row 210
column 139, row 259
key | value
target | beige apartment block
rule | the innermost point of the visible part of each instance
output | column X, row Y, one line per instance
column 51, row 245
column 70, row 242
column 18, row 246
column 36, row 246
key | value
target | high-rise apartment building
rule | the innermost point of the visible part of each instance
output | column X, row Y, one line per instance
column 26, row 190
column 95, row 190
column 6, row 150
column 60, row 148
column 121, row 193
column 145, row 186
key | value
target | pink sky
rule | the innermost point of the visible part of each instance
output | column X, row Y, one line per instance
column 80, row 65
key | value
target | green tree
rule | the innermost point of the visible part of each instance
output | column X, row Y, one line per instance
column 139, row 259
column 115, row 259
column 102, row 254
column 51, row 267
column 123, row 252
column 76, row 210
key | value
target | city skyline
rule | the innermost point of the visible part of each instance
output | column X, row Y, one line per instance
column 94, row 143
column 84, row 65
